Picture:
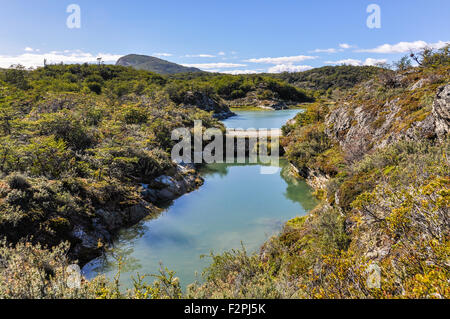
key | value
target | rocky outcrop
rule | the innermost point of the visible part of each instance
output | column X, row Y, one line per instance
column 167, row 188
column 313, row 177
column 353, row 127
column 359, row 129
column 90, row 237
column 441, row 111
column 317, row 179
column 208, row 104
column 252, row 100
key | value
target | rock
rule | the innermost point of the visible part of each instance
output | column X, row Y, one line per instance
column 185, row 167
column 372, row 255
column 275, row 105
column 169, row 187
column 173, row 190
column 224, row 115
column 441, row 111
column 207, row 103
column 149, row 194
column 418, row 84
column 101, row 230
column 360, row 129
column 383, row 252
column 176, row 187
column 112, row 220
column 86, row 240
column 166, row 180
column 104, row 227
column 317, row 179
column 338, row 122
column 426, row 128
column 88, row 246
column 351, row 128
column 136, row 213
column 166, row 195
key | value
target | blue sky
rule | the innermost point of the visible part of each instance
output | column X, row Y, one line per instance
column 226, row 35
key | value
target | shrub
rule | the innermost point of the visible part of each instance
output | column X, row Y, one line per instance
column 18, row 181
column 34, row 272
column 95, row 87
column 48, row 156
column 67, row 128
column 135, row 115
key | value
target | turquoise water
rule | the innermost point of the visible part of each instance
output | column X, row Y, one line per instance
column 260, row 119
column 236, row 204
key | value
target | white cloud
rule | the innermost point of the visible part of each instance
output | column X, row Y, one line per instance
column 199, row 56
column 162, row 54
column 403, row 47
column 354, row 62
column 346, row 62
column 280, row 68
column 214, row 65
column 345, row 46
column 282, row 60
column 324, row 50
column 235, row 72
column 370, row 61
column 221, row 53
column 28, row 49
column 67, row 57
column 342, row 47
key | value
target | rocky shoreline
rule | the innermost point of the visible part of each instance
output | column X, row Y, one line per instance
column 268, row 104
column 356, row 133
column 165, row 188
column 314, row 178
column 91, row 237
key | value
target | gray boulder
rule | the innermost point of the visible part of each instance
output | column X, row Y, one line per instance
column 441, row 111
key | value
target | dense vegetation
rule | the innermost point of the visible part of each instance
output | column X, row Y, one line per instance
column 330, row 77
column 385, row 201
column 232, row 87
column 77, row 142
column 77, row 137
column 228, row 87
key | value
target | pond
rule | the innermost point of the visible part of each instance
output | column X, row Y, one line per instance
column 236, row 205
column 260, row 119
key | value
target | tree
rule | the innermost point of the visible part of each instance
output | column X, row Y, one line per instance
column 403, row 64
column 17, row 76
column 7, row 154
column 48, row 157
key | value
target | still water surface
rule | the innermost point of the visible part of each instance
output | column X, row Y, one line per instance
column 260, row 119
column 236, row 204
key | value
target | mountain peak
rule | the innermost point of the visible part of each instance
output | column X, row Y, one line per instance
column 153, row 64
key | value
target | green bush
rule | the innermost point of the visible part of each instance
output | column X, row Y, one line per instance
column 95, row 87
column 135, row 115
column 17, row 181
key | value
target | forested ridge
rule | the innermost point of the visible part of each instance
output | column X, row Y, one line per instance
column 78, row 141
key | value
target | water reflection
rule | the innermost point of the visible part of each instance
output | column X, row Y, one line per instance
column 260, row 119
column 296, row 189
column 235, row 204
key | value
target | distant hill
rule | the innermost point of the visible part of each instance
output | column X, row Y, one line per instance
column 343, row 77
column 149, row 63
